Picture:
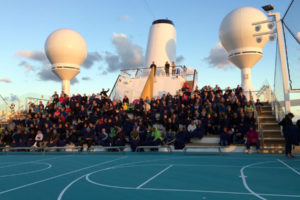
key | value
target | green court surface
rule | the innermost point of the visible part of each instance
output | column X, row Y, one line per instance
column 131, row 176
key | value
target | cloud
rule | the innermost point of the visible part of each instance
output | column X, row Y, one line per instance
column 33, row 55
column 128, row 55
column 12, row 97
column 179, row 59
column 103, row 73
column 27, row 66
column 44, row 71
column 91, row 58
column 85, row 78
column 5, row 80
column 218, row 57
column 124, row 18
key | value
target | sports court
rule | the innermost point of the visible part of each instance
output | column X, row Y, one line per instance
column 156, row 175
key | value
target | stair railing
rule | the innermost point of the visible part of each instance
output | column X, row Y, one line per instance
column 260, row 130
column 114, row 87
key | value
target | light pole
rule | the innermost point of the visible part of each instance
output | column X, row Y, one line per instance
column 276, row 18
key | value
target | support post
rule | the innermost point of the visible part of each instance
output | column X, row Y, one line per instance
column 287, row 103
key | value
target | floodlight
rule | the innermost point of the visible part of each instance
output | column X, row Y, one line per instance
column 268, row 7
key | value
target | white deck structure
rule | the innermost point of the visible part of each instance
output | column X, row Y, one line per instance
column 131, row 82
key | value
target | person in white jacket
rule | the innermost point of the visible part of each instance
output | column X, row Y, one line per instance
column 39, row 138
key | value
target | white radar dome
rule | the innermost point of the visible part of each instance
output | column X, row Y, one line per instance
column 65, row 47
column 237, row 36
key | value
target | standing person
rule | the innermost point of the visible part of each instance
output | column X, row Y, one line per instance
column 287, row 125
column 153, row 65
column 167, row 68
column 104, row 92
column 184, row 71
column 298, row 131
column 173, row 68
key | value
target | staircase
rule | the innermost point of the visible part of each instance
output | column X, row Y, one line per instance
column 271, row 139
column 190, row 84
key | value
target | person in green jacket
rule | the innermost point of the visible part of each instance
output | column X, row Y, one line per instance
column 156, row 135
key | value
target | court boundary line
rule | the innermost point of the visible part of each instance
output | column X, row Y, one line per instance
column 153, row 177
column 245, row 181
column 112, row 167
column 24, row 163
column 74, row 181
column 218, row 166
column 87, row 177
column 29, row 172
column 60, row 175
column 288, row 166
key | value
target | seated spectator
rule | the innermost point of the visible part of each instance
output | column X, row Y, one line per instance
column 38, row 138
column 252, row 138
column 238, row 136
column 170, row 137
column 88, row 136
column 225, row 137
column 120, row 138
column 103, row 138
column 180, row 139
column 248, row 108
column 191, row 127
column 258, row 105
column 134, row 139
column 156, row 137
column 199, row 132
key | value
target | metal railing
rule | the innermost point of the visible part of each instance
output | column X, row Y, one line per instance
column 266, row 94
column 259, row 125
column 160, row 71
column 113, row 88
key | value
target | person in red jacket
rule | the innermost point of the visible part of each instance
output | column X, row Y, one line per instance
column 252, row 138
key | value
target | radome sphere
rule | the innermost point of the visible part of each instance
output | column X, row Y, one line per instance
column 236, row 35
column 65, row 47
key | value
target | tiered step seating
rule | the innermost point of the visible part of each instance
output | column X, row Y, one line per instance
column 273, row 140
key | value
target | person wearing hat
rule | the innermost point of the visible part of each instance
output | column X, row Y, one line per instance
column 287, row 128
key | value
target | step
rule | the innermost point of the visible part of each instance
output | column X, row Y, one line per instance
column 274, row 146
column 267, row 120
column 273, row 139
column 266, row 114
column 272, row 135
column 266, row 108
column 202, row 144
column 271, row 131
column 266, row 117
column 270, row 126
column 265, row 103
column 266, row 111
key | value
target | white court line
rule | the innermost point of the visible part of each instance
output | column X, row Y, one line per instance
column 113, row 167
column 60, row 175
column 87, row 177
column 178, row 190
column 291, row 168
column 153, row 177
column 74, row 181
column 28, row 162
column 29, row 172
column 245, row 182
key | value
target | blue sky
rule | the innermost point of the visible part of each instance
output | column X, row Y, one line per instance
column 25, row 25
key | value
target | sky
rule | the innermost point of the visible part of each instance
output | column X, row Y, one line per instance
column 116, row 34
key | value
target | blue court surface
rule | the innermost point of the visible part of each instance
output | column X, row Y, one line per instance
column 130, row 176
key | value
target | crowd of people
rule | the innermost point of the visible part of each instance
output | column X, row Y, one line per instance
column 171, row 120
